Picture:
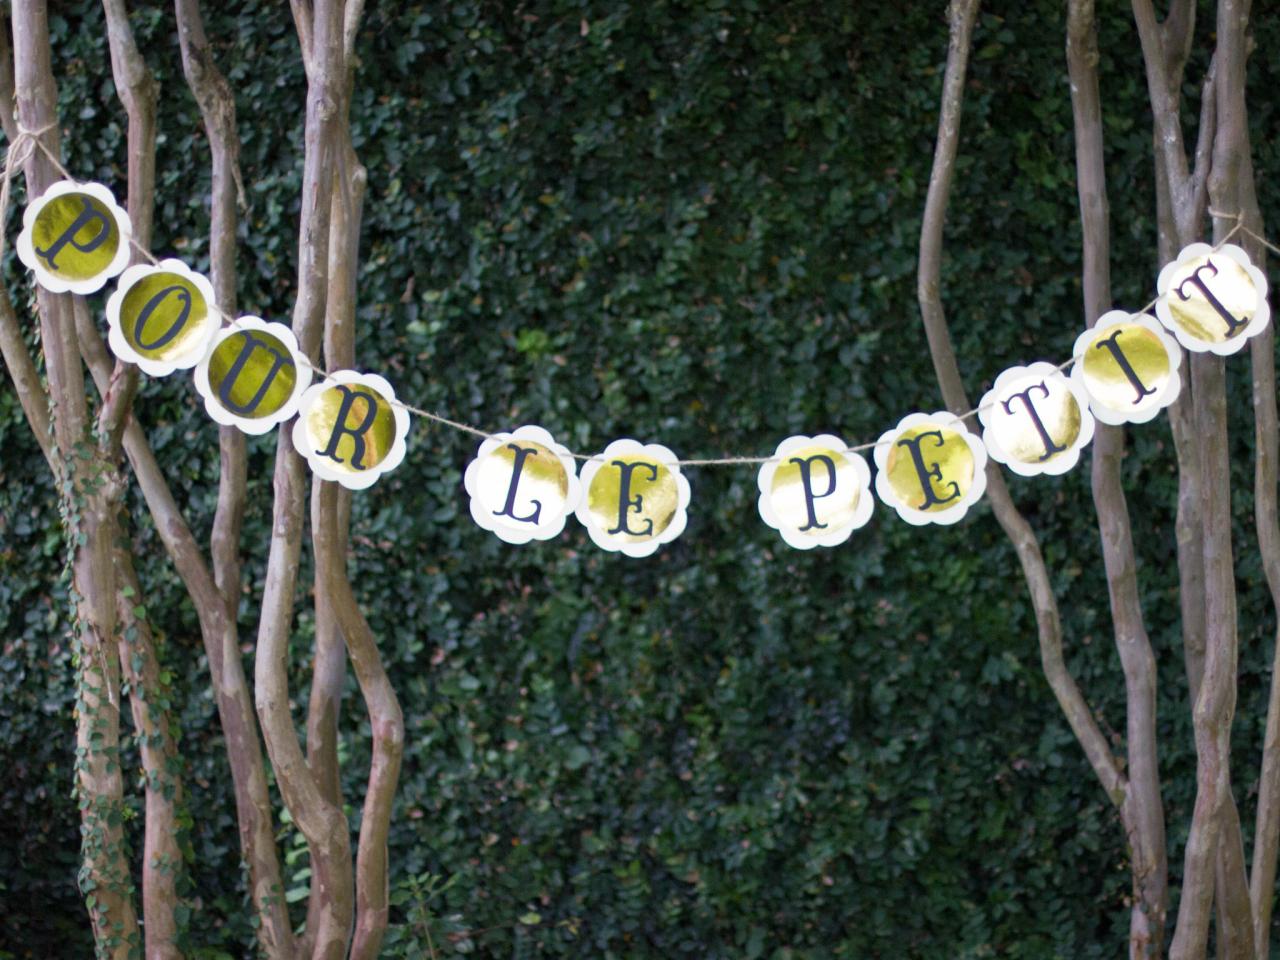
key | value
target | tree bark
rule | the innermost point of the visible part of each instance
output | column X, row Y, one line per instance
column 321, row 822
column 88, row 485
column 1214, row 816
column 1078, row 713
column 149, row 699
column 331, row 536
column 1143, row 812
column 218, row 112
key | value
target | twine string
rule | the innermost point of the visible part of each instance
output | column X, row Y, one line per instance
column 30, row 141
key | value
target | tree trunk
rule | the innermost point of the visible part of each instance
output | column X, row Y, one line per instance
column 1143, row 811
column 88, row 483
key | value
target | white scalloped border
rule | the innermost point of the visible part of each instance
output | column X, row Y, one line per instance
column 1256, row 325
column 942, row 420
column 836, row 535
column 52, row 282
column 1163, row 397
column 550, row 523
column 302, row 440
column 654, row 451
column 1062, row 462
column 255, row 426
column 153, row 366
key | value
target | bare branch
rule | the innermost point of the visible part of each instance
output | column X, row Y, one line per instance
column 1143, row 811
column 1215, row 704
column 8, row 119
column 17, row 358
column 148, row 699
column 90, row 484
column 321, row 822
column 387, row 724
column 1176, row 34
column 1204, row 144
column 138, row 92
column 304, row 20
column 1078, row 713
column 1163, row 93
column 222, row 650
column 216, row 101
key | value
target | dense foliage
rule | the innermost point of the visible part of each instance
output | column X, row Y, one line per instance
column 690, row 222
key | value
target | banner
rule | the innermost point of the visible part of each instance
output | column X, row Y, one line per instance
column 633, row 497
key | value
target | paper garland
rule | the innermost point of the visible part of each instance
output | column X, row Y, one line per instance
column 1128, row 367
column 1213, row 300
column 1035, row 420
column 350, row 429
column 931, row 468
column 633, row 498
column 75, row 237
column 161, row 317
column 523, row 485
column 815, row 492
column 253, row 375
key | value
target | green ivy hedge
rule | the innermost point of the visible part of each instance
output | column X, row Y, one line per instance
column 690, row 222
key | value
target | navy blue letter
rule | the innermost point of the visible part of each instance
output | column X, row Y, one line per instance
column 626, row 502
column 510, row 509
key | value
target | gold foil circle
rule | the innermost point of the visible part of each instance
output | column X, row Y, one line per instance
column 1231, row 286
column 164, row 315
column 787, row 492
column 943, row 450
column 1014, row 427
column 265, row 351
column 650, row 482
column 344, row 444
column 542, row 480
column 1107, row 381
column 70, row 262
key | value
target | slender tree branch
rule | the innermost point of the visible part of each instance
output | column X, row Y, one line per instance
column 387, row 724
column 1176, row 34
column 1215, row 704
column 1143, row 811
column 1163, row 92
column 137, row 90
column 1204, row 145
column 1078, row 713
column 321, row 822
column 304, row 21
column 1267, row 456
column 17, row 357
column 149, row 701
column 330, row 533
column 89, row 484
column 214, row 97
column 162, row 858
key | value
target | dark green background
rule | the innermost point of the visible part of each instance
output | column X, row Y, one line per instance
column 692, row 223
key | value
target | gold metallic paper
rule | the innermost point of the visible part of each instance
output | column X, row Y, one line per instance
column 656, row 498
column 1197, row 316
column 931, row 469
column 523, row 485
column 161, row 317
column 830, row 506
column 1212, row 300
column 1035, row 420
column 952, row 458
column 659, row 497
column 1128, row 367
column 323, row 426
column 75, row 237
column 253, row 376
column 253, row 373
column 350, row 429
